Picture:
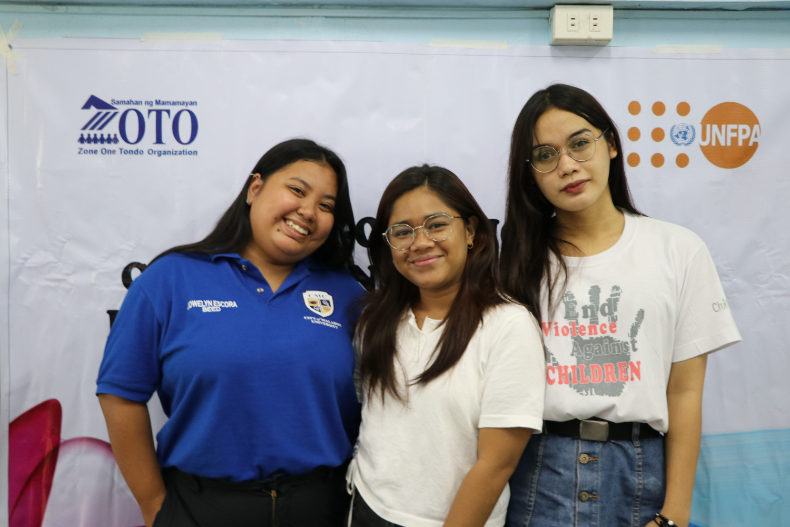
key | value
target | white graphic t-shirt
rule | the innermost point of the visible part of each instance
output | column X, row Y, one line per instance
column 626, row 315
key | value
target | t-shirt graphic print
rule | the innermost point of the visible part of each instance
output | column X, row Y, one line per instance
column 624, row 317
column 604, row 360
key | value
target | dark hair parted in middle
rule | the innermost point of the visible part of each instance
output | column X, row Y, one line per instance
column 384, row 308
column 528, row 234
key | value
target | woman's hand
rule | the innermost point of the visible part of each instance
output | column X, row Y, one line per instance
column 498, row 453
column 132, row 441
column 684, row 402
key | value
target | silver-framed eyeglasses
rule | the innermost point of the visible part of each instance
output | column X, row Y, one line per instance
column 580, row 148
column 438, row 228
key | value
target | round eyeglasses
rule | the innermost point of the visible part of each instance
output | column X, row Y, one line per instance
column 580, row 148
column 438, row 228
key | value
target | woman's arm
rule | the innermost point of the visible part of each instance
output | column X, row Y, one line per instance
column 498, row 452
column 684, row 401
column 132, row 440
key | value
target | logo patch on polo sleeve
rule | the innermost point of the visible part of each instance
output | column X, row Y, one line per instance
column 319, row 302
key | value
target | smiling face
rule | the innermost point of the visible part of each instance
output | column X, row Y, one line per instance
column 573, row 186
column 432, row 266
column 291, row 213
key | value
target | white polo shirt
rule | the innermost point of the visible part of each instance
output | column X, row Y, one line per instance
column 411, row 459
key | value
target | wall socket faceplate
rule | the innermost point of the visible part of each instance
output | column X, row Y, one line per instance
column 581, row 25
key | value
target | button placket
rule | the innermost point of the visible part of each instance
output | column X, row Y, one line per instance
column 589, row 480
column 252, row 279
column 420, row 347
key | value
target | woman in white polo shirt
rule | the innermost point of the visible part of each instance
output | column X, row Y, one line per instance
column 629, row 308
column 452, row 372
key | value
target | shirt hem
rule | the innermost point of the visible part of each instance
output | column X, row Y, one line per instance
column 112, row 389
column 401, row 518
column 388, row 514
column 707, row 344
column 509, row 421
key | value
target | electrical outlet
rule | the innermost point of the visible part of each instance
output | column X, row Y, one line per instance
column 573, row 21
column 581, row 25
column 595, row 23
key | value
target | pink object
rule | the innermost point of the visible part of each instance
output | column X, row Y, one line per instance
column 33, row 445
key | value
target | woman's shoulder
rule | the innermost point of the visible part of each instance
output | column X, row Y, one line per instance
column 171, row 267
column 338, row 277
column 506, row 313
column 661, row 233
column 179, row 262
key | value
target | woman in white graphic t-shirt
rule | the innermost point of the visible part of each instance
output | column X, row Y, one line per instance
column 452, row 372
column 627, row 312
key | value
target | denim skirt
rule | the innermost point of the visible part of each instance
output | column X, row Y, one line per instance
column 566, row 482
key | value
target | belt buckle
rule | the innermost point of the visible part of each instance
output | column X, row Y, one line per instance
column 590, row 430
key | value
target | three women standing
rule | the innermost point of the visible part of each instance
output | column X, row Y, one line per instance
column 260, row 395
column 624, row 303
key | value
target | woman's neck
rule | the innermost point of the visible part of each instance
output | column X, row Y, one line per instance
column 434, row 304
column 591, row 231
column 274, row 273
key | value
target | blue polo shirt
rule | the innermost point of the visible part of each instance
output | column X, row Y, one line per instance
column 254, row 382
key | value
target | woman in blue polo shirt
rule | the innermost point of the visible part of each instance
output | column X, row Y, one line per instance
column 246, row 338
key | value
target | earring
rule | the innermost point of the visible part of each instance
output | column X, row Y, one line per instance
column 470, row 246
column 249, row 201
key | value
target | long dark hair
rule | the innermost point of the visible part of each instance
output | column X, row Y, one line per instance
column 528, row 235
column 234, row 230
column 384, row 308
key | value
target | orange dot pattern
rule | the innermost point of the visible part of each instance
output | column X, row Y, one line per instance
column 657, row 134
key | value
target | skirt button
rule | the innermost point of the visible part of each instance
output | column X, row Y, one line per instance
column 584, row 459
column 584, row 496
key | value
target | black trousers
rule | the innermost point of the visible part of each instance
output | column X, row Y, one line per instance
column 363, row 516
column 316, row 499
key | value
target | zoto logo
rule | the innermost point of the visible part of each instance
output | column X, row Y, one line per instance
column 160, row 120
column 99, row 121
column 730, row 135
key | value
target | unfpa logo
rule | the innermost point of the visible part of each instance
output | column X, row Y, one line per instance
column 728, row 134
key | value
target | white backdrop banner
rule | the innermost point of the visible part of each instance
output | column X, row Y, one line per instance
column 120, row 149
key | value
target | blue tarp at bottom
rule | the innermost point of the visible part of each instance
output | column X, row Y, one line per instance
column 742, row 479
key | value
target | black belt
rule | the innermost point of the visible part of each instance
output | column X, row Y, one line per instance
column 276, row 482
column 599, row 430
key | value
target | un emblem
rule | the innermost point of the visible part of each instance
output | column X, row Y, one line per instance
column 682, row 134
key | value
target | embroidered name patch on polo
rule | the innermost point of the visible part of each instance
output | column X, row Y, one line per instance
column 319, row 302
column 211, row 306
